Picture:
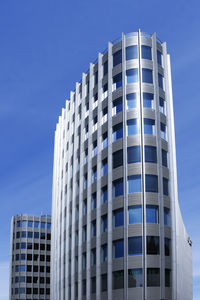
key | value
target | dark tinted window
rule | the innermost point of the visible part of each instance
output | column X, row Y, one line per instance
column 152, row 245
column 118, row 248
column 151, row 182
column 117, row 159
column 147, row 76
column 133, row 154
column 164, row 158
column 135, row 245
column 150, row 154
column 165, row 186
column 134, row 278
column 153, row 277
column 117, row 58
column 118, row 280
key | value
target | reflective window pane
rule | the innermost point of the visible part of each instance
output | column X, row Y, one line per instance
column 150, row 154
column 149, row 126
column 131, row 100
column 131, row 52
column 118, row 217
column 134, row 278
column 153, row 245
column 135, row 245
column 117, row 159
column 164, row 158
column 117, row 58
column 147, row 76
column 134, row 184
column 153, row 277
column 118, row 248
column 148, row 100
column 135, row 214
column 118, row 280
column 146, row 52
column 133, row 154
column 132, row 126
column 152, row 214
column 117, row 132
column 151, row 183
column 165, row 186
column 132, row 76
column 167, row 217
column 118, row 187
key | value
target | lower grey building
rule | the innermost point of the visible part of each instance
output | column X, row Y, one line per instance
column 30, row 252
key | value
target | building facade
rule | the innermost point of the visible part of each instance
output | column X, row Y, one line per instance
column 117, row 230
column 30, row 251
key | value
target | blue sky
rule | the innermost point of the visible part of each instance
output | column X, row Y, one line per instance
column 45, row 45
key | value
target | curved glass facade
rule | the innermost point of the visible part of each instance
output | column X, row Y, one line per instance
column 113, row 141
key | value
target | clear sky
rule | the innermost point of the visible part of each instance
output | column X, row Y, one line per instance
column 45, row 45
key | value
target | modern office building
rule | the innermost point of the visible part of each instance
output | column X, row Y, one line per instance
column 117, row 230
column 30, row 251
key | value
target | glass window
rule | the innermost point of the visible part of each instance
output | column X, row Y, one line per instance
column 17, row 268
column 23, row 245
column 48, row 225
column 93, row 229
column 117, row 159
column 118, row 248
column 23, row 268
column 105, row 68
column 134, row 184
column 84, row 233
column 147, row 76
column 132, row 126
column 131, row 100
column 118, row 280
column 134, row 278
column 93, row 285
column 104, row 253
column 167, row 246
column 117, row 106
column 18, row 234
column 151, row 183
column 18, row 223
column 104, row 169
column 23, row 256
column 159, row 57
column 118, row 187
column 94, row 200
column 131, row 52
column 117, row 80
column 160, row 81
column 152, row 214
column 94, row 174
column 104, row 223
column 153, row 277
column 167, row 217
column 30, row 234
column 117, row 58
column 104, row 194
column 131, row 76
column 167, row 277
column 118, row 217
column 117, row 132
column 148, row 100
column 104, row 286
column 93, row 257
column 96, row 77
column 162, row 105
column 22, row 278
column 153, row 245
column 104, row 140
column 30, row 223
column 146, row 52
column 165, row 186
column 164, row 158
column 133, row 154
column 36, row 224
column 84, row 261
column 17, row 245
column 84, row 207
column 85, row 181
column 24, row 223
column 42, row 225
column 163, row 131
column 135, row 214
column 149, row 126
column 150, row 154
column 94, row 151
column 135, row 245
